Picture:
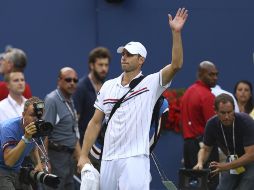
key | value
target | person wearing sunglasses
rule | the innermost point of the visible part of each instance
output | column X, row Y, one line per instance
column 63, row 141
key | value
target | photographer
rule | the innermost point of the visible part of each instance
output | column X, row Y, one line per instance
column 234, row 134
column 16, row 143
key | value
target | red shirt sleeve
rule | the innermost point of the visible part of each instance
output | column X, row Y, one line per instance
column 27, row 93
column 4, row 91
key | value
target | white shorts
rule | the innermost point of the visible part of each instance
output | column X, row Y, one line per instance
column 131, row 173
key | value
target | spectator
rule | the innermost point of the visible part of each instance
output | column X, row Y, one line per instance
column 244, row 96
column 234, row 134
column 16, row 143
column 64, row 139
column 13, row 105
column 217, row 90
column 196, row 108
column 125, row 160
column 89, row 86
column 13, row 60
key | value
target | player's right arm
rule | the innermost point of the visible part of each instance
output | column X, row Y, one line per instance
column 91, row 134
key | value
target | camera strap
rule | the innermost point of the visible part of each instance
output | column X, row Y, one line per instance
column 44, row 153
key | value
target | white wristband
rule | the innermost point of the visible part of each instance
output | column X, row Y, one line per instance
column 27, row 141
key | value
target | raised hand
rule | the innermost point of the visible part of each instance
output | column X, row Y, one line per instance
column 177, row 23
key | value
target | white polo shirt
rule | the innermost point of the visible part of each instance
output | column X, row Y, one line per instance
column 128, row 130
column 10, row 109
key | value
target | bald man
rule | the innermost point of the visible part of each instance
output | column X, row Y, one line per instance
column 197, row 107
column 64, row 139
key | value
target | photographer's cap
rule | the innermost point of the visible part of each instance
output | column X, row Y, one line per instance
column 133, row 48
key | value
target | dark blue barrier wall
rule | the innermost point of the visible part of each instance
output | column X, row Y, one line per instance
column 61, row 33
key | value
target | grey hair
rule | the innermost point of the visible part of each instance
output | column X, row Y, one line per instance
column 17, row 57
column 31, row 101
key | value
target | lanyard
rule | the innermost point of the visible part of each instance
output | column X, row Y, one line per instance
column 67, row 105
column 226, row 143
column 72, row 111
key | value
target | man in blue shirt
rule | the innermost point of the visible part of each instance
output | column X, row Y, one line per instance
column 16, row 143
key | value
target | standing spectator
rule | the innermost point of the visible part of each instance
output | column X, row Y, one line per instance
column 234, row 134
column 64, row 139
column 13, row 60
column 196, row 109
column 89, row 86
column 125, row 160
column 13, row 105
column 244, row 96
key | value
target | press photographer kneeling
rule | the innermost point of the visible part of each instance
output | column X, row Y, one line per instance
column 20, row 137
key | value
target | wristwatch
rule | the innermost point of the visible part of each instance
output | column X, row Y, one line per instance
column 27, row 141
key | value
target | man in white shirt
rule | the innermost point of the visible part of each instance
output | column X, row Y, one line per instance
column 13, row 105
column 125, row 160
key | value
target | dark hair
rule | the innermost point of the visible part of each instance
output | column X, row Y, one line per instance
column 250, row 103
column 99, row 52
column 224, row 98
column 31, row 101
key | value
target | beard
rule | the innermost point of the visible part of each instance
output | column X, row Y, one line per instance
column 99, row 77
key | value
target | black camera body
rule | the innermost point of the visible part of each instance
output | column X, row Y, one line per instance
column 28, row 175
column 43, row 128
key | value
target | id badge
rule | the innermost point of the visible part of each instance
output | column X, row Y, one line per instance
column 238, row 170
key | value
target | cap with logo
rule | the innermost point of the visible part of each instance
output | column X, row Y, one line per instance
column 133, row 48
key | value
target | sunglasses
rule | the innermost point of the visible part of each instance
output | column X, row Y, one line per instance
column 75, row 80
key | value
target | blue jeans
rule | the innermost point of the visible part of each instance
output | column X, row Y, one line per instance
column 244, row 181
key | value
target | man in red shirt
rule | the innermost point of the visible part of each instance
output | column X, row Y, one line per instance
column 197, row 107
column 13, row 60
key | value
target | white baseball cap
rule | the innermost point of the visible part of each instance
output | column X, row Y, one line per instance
column 133, row 48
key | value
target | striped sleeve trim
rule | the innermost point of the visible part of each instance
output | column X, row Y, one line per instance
column 9, row 143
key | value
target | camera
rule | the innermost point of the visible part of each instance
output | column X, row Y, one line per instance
column 28, row 175
column 43, row 128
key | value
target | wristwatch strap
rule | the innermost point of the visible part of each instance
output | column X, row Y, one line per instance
column 27, row 141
